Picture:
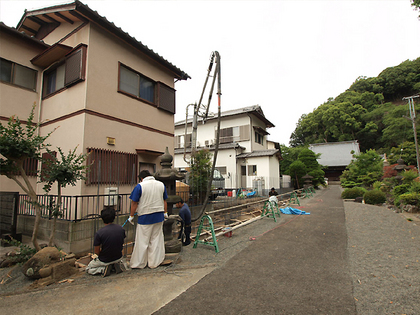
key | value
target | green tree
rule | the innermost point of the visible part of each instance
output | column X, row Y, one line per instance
column 400, row 81
column 416, row 4
column 200, row 170
column 405, row 151
column 313, row 168
column 64, row 171
column 289, row 155
column 364, row 170
column 397, row 128
column 297, row 171
column 16, row 145
column 363, row 112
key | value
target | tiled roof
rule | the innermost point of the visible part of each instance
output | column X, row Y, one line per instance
column 31, row 22
column 254, row 109
column 12, row 30
column 335, row 153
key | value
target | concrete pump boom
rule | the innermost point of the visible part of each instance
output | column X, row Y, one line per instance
column 201, row 110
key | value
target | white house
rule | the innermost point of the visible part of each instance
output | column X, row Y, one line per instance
column 246, row 159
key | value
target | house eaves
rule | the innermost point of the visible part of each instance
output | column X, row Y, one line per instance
column 222, row 146
column 259, row 153
column 32, row 22
column 12, row 31
column 254, row 110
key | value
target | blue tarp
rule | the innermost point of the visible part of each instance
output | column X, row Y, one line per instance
column 251, row 194
column 290, row 210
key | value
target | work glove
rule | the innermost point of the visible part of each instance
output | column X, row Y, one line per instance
column 165, row 215
column 130, row 219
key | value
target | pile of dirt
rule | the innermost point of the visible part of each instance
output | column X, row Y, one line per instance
column 48, row 266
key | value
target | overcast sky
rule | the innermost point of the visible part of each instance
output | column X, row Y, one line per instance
column 288, row 57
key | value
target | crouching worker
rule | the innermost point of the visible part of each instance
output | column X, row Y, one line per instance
column 108, row 245
column 185, row 214
column 273, row 195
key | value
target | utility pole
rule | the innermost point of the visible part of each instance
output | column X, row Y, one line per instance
column 412, row 110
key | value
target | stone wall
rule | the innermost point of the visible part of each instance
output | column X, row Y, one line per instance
column 72, row 237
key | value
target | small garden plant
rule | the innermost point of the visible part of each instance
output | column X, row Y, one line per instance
column 374, row 197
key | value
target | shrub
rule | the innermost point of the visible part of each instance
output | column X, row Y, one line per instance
column 388, row 185
column 409, row 176
column 374, row 197
column 415, row 187
column 24, row 253
column 352, row 193
column 397, row 201
column 377, row 185
column 349, row 184
column 400, row 189
column 410, row 199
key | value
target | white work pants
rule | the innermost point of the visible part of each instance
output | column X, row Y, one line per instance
column 96, row 266
column 149, row 248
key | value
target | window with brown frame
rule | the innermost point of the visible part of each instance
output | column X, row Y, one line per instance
column 137, row 85
column 166, row 98
column 30, row 165
column 231, row 134
column 111, row 167
column 259, row 138
column 16, row 74
column 66, row 73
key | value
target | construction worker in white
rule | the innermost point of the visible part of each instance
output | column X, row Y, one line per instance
column 148, row 199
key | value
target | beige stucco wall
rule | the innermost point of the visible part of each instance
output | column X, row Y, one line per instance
column 84, row 112
column 15, row 100
column 64, row 103
column 67, row 135
column 62, row 31
column 104, row 53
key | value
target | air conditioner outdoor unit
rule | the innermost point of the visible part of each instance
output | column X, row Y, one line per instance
column 111, row 196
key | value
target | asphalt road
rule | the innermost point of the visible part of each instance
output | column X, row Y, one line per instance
column 299, row 268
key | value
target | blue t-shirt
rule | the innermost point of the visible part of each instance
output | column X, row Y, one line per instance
column 150, row 218
column 185, row 214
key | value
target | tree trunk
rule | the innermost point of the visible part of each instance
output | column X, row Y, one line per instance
column 37, row 220
column 52, row 235
column 34, row 199
column 51, row 241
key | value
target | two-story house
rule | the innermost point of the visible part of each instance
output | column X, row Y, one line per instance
column 103, row 91
column 246, row 159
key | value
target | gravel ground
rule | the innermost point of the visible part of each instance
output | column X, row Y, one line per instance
column 384, row 259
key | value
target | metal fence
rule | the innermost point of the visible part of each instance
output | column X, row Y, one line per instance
column 76, row 208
